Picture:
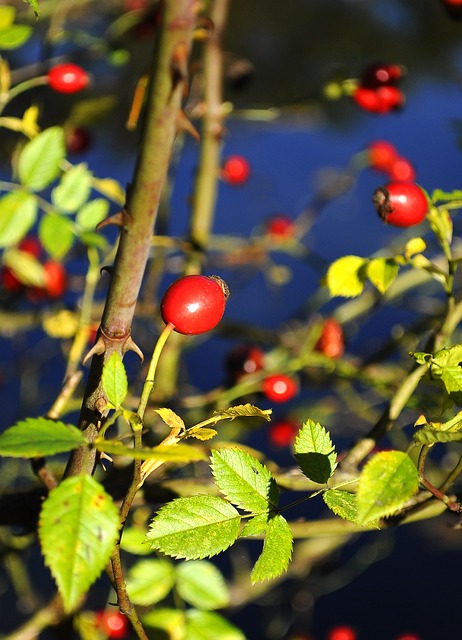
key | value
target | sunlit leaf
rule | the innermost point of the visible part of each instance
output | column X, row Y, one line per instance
column 114, row 380
column 73, row 189
column 36, row 437
column 203, row 433
column 26, row 268
column 173, row 453
column 92, row 213
column 344, row 505
column 202, row 585
column 414, row 246
column 315, row 452
column 18, row 213
column 244, row 410
column 194, row 528
column 277, row 550
column 432, row 436
column 14, row 36
column 345, row 276
column 78, row 528
column 149, row 581
column 382, row 273
column 56, row 233
column 208, row 625
column 171, row 419
column 40, row 160
column 244, row 480
column 170, row 621
column 387, row 481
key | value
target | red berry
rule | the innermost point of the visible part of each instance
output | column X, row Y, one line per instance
column 381, row 100
column 113, row 623
column 194, row 304
column 381, row 74
column 9, row 281
column 244, row 359
column 408, row 636
column 55, row 279
column 282, row 434
column 77, row 139
column 402, row 169
column 342, row 633
column 401, row 204
column 31, row 245
column 331, row 341
column 68, row 78
column 280, row 227
column 235, row 170
column 391, row 98
column 280, row 387
column 382, row 155
column 367, row 99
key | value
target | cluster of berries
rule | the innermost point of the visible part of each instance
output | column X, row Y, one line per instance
column 384, row 156
column 377, row 90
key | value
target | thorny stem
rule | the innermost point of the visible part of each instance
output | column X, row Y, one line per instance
column 438, row 493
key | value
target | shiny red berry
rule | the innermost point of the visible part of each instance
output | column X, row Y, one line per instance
column 280, row 227
column 402, row 169
column 382, row 155
column 244, row 359
column 381, row 74
column 401, row 204
column 280, row 387
column 282, row 434
column 235, row 170
column 380, row 100
column 194, row 304
column 113, row 623
column 67, row 78
column 331, row 342
column 342, row 632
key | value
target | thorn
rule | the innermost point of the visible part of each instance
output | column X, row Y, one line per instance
column 97, row 349
column 110, row 270
column 104, row 456
column 130, row 345
column 120, row 219
column 185, row 124
column 179, row 62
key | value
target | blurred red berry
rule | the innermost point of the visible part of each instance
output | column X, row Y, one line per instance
column 77, row 139
column 31, row 245
column 380, row 100
column 331, row 342
column 382, row 155
column 402, row 169
column 408, row 636
column 401, row 204
column 381, row 74
column 235, row 170
column 342, row 632
column 280, row 227
column 55, row 279
column 244, row 359
column 282, row 434
column 67, row 78
column 280, row 387
column 9, row 281
column 113, row 623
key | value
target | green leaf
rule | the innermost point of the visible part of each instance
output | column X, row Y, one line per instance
column 73, row 189
column 446, row 365
column 208, row 625
column 149, row 581
column 171, row 419
column 170, row 621
column 114, row 380
column 78, row 528
column 277, row 551
column 244, row 480
column 172, row 453
column 344, row 505
column 414, row 246
column 7, row 16
column 36, row 437
column 92, row 213
column 255, row 526
column 25, row 267
column 18, row 213
column 382, row 273
column 56, row 233
column 134, row 541
column 202, row 585
column 345, row 276
column 315, row 452
column 194, row 528
column 202, row 433
column 41, row 158
column 446, row 196
column 387, row 481
column 432, row 436
column 14, row 36
column 111, row 189
column 243, row 410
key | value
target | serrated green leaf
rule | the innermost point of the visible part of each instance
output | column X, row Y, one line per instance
column 78, row 528
column 14, row 36
column 201, row 584
column 344, row 505
column 171, row 419
column 40, row 160
column 194, row 528
column 315, row 452
column 255, row 526
column 382, row 273
column 208, row 625
column 243, row 410
column 73, row 189
column 114, row 380
column 446, row 196
column 171, row 621
column 202, row 433
column 92, row 213
column 244, row 480
column 277, row 551
column 432, row 436
column 387, row 481
column 421, row 357
column 36, row 437
column 56, row 233
column 345, row 276
column 149, row 581
column 172, row 453
column 446, row 366
column 18, row 213
column 26, row 268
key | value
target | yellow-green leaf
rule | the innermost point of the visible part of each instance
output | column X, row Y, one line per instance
column 382, row 273
column 345, row 276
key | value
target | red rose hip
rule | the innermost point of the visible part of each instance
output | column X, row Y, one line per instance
column 401, row 204
column 280, row 387
column 67, row 78
column 235, row 170
column 194, row 304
